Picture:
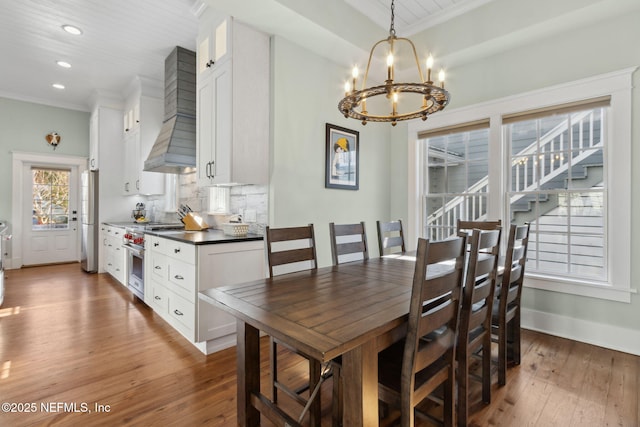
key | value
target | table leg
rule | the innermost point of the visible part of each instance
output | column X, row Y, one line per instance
column 360, row 390
column 248, row 350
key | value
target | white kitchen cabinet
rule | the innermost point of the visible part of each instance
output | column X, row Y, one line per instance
column 142, row 121
column 214, row 44
column 114, row 254
column 174, row 274
column 233, row 106
column 104, row 137
column 94, row 135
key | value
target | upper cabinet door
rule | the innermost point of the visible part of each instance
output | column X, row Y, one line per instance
column 214, row 45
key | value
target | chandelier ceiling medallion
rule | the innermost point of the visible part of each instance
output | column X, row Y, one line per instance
column 426, row 97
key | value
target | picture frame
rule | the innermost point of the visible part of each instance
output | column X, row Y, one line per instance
column 342, row 164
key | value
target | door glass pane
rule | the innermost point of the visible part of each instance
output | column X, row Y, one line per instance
column 50, row 199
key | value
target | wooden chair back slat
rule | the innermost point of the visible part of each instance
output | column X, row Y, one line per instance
column 390, row 237
column 304, row 235
column 342, row 248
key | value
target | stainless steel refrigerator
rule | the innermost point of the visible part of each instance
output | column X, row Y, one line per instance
column 89, row 218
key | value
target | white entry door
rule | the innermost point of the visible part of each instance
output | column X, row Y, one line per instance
column 50, row 220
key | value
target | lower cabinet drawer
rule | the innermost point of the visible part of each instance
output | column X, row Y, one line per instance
column 159, row 298
column 182, row 279
column 184, row 313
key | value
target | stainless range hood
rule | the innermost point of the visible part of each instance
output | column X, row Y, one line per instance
column 175, row 148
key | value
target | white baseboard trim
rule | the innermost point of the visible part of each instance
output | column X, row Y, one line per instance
column 602, row 335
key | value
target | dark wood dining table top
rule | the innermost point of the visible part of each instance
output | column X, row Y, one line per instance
column 328, row 311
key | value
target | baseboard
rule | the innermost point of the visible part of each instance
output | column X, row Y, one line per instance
column 602, row 335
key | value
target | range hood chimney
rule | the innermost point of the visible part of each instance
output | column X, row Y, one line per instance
column 175, row 148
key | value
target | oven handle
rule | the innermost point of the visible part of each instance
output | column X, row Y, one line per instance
column 135, row 251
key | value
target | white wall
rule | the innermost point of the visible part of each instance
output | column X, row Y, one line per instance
column 23, row 127
column 306, row 90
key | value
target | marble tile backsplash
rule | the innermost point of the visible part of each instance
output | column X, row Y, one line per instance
column 242, row 198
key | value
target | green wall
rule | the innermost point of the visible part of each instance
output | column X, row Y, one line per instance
column 305, row 94
column 559, row 50
column 23, row 127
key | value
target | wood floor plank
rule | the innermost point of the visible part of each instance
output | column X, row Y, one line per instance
column 67, row 337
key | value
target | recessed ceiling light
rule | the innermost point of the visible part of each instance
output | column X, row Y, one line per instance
column 63, row 64
column 58, row 86
column 72, row 30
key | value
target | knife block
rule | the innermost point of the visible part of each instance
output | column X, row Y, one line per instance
column 194, row 222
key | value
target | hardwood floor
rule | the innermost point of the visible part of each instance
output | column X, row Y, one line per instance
column 70, row 338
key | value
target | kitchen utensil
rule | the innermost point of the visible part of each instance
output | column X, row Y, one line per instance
column 194, row 222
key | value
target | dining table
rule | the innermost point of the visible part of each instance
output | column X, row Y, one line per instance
column 352, row 311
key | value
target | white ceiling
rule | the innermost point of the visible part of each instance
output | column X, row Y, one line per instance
column 123, row 39
column 413, row 16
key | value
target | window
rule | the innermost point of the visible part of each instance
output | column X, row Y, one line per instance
column 557, row 174
column 456, row 178
column 50, row 196
column 558, row 158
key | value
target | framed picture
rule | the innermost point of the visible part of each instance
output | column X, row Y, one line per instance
column 342, row 164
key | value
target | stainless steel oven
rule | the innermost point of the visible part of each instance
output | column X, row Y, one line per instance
column 135, row 261
column 134, row 244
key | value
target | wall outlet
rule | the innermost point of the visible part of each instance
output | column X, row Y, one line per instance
column 249, row 215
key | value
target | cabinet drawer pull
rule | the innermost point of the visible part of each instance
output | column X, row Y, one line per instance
column 179, row 277
column 157, row 298
column 178, row 312
column 157, row 267
column 176, row 250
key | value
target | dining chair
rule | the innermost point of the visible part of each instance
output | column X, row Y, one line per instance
column 411, row 369
column 295, row 248
column 390, row 237
column 505, row 323
column 348, row 242
column 475, row 315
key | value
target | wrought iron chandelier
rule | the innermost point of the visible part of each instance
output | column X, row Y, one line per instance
column 428, row 97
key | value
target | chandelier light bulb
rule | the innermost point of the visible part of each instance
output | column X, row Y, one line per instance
column 347, row 88
column 430, row 62
column 441, row 77
column 354, row 72
column 429, row 67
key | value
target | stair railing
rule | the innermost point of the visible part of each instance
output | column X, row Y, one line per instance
column 472, row 202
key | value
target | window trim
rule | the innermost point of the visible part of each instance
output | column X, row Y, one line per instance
column 616, row 84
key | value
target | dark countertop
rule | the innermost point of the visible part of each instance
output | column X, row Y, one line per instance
column 206, row 237
column 120, row 224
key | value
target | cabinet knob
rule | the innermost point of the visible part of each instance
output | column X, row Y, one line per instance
column 157, row 298
column 157, row 267
column 156, row 244
column 176, row 250
column 178, row 277
column 210, row 63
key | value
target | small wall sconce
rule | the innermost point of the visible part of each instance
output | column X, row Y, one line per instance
column 53, row 139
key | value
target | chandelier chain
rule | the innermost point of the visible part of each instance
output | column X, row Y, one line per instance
column 392, row 29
